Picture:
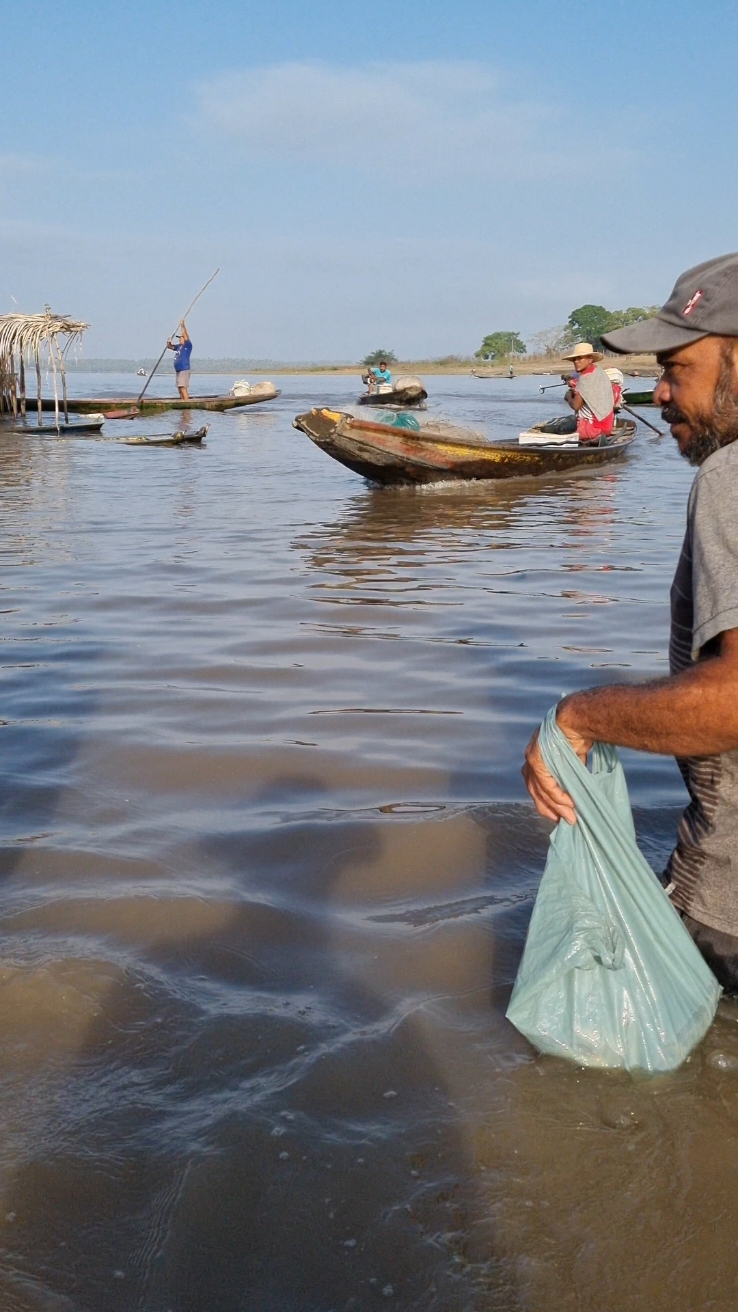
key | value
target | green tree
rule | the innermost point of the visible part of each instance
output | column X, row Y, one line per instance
column 589, row 322
column 375, row 356
column 634, row 314
column 501, row 345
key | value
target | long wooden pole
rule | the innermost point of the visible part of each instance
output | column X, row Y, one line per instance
column 22, row 384
column 643, row 421
column 184, row 316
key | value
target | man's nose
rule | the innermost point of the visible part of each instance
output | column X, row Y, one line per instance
column 662, row 393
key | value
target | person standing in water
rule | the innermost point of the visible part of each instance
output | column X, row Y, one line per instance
column 182, row 352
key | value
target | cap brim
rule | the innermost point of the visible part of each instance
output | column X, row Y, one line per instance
column 584, row 355
column 650, row 335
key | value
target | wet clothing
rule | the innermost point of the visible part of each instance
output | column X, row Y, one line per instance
column 704, row 604
column 719, row 950
column 596, row 418
column 182, row 356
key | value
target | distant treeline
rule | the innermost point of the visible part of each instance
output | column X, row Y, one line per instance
column 200, row 366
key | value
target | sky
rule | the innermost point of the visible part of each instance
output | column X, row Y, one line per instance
column 409, row 177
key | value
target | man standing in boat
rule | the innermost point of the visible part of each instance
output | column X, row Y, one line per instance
column 591, row 396
column 693, row 713
column 182, row 352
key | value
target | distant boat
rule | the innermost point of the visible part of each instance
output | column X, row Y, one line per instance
column 407, row 390
column 179, row 438
column 128, row 406
column 405, row 451
column 638, row 398
column 90, row 424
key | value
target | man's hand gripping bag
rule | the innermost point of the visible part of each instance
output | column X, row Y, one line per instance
column 609, row 975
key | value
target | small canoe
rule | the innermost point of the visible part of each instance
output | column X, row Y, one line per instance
column 177, row 439
column 92, row 424
column 434, row 452
column 130, row 405
column 638, row 398
column 406, row 392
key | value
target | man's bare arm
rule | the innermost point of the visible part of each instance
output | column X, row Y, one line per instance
column 690, row 714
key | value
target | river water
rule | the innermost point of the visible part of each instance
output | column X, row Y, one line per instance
column 267, row 868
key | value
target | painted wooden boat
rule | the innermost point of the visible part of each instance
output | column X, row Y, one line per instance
column 177, row 439
column 129, row 405
column 435, row 452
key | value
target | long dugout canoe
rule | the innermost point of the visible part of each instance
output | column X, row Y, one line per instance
column 85, row 405
column 439, row 452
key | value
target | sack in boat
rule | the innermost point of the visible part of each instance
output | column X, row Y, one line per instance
column 241, row 388
column 609, row 975
column 408, row 383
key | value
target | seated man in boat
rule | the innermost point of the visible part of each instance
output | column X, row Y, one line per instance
column 591, row 396
column 182, row 351
column 379, row 376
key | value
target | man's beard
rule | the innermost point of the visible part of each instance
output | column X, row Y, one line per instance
column 714, row 428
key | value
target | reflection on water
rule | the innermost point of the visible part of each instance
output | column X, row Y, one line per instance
column 267, row 867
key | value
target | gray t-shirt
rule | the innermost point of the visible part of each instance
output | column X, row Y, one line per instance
column 704, row 604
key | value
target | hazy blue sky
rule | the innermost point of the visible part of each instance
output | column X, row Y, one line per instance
column 411, row 176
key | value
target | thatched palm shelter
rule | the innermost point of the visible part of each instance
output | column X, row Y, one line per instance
column 35, row 339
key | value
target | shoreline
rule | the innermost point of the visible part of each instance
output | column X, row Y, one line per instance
column 532, row 365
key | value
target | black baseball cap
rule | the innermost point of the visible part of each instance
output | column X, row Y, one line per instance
column 704, row 302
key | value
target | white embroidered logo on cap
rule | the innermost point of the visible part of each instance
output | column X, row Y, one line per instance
column 693, row 300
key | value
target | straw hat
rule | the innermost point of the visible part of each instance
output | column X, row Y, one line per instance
column 583, row 348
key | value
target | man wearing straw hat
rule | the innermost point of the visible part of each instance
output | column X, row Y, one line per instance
column 693, row 713
column 591, row 395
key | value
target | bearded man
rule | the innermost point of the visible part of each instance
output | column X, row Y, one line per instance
column 692, row 714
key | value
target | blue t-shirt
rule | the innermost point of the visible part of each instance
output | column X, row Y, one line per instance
column 182, row 356
column 382, row 375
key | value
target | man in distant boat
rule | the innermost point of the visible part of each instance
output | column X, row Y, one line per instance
column 590, row 395
column 379, row 375
column 182, row 351
column 691, row 714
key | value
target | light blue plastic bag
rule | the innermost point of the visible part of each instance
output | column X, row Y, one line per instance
column 609, row 975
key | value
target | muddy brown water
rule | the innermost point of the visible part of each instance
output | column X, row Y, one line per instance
column 267, row 865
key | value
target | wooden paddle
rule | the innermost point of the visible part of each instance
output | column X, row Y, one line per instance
column 184, row 316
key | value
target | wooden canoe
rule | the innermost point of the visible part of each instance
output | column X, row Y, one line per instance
column 436, row 452
column 91, row 425
column 177, row 439
column 638, row 398
column 411, row 396
column 129, row 405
